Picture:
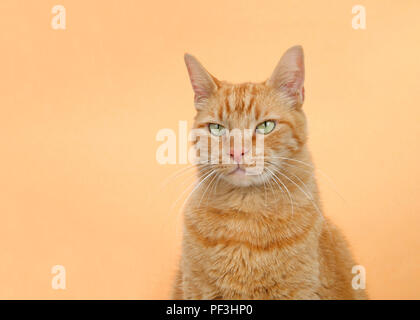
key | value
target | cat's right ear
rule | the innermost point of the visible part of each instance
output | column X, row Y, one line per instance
column 203, row 83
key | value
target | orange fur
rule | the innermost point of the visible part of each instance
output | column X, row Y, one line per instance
column 246, row 237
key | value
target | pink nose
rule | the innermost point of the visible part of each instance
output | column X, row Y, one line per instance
column 237, row 154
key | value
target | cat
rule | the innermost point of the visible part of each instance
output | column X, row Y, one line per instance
column 259, row 236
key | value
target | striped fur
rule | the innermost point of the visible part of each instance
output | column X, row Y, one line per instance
column 254, row 240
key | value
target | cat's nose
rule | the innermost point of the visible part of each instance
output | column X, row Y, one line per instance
column 237, row 154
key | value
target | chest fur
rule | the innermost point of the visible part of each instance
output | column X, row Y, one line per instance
column 234, row 269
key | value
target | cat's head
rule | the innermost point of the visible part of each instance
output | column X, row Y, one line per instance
column 242, row 127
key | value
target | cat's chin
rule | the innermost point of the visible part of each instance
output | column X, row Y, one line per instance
column 239, row 178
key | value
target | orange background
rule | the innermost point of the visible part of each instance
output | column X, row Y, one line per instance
column 80, row 109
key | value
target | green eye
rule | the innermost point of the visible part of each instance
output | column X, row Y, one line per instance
column 216, row 129
column 266, row 127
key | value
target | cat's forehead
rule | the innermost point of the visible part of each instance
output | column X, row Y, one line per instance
column 239, row 105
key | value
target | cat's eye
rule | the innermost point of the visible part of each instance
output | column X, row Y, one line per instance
column 216, row 129
column 266, row 127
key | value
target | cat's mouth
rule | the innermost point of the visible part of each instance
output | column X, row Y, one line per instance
column 237, row 171
column 242, row 175
column 239, row 176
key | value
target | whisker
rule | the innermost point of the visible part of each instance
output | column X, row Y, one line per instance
column 186, row 189
column 265, row 190
column 200, row 180
column 278, row 171
column 270, row 184
column 282, row 193
column 180, row 172
column 329, row 180
column 209, row 184
column 287, row 190
column 219, row 176
column 197, row 186
column 309, row 196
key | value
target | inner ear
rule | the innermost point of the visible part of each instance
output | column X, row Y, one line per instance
column 203, row 83
column 289, row 75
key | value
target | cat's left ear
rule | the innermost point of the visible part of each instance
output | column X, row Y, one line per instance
column 289, row 75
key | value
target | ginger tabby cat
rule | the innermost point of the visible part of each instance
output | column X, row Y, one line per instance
column 258, row 236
